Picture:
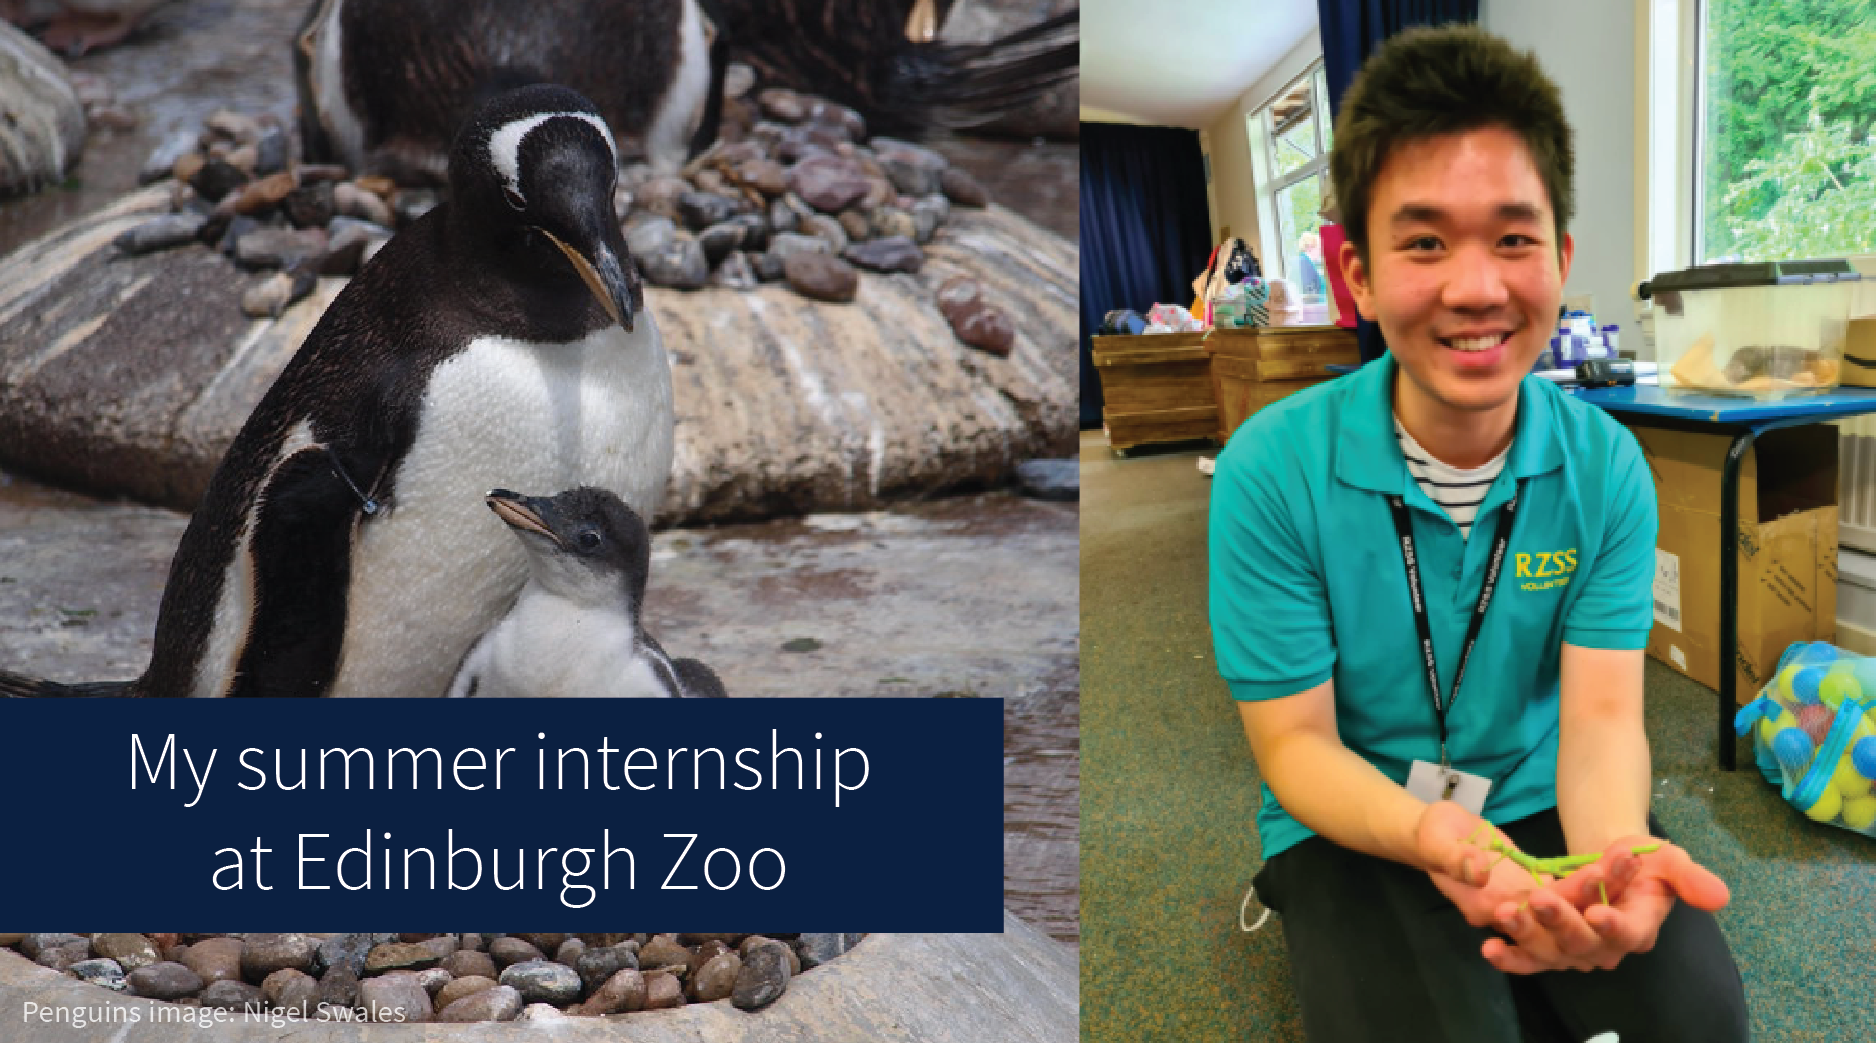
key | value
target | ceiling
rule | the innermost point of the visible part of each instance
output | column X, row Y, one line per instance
column 1180, row 63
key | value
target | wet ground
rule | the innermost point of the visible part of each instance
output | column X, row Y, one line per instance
column 973, row 596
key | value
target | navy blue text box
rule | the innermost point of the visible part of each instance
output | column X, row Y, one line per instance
column 909, row 840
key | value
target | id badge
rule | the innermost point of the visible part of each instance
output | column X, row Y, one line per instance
column 1431, row 782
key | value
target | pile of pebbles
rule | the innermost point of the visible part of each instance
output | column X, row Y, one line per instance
column 794, row 191
column 438, row 977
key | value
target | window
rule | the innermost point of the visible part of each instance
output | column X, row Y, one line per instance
column 1295, row 133
column 1786, row 106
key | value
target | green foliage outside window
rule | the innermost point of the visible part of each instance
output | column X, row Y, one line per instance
column 1788, row 165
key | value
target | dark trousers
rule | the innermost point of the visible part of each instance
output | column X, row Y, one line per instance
column 1378, row 953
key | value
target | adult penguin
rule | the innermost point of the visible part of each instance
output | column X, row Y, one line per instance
column 382, row 82
column 341, row 548
column 380, row 79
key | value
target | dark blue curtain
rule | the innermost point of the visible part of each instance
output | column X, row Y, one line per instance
column 1351, row 31
column 1146, row 229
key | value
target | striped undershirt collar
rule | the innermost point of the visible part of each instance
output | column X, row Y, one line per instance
column 1458, row 491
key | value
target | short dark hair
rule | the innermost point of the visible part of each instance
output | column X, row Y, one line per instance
column 1429, row 82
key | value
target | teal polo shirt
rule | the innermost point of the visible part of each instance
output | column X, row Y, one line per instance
column 1308, row 584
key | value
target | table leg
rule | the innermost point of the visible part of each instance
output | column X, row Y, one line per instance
column 1729, row 594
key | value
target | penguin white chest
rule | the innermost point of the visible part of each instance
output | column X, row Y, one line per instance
column 439, row 568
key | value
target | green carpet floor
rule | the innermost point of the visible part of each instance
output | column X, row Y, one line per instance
column 1169, row 801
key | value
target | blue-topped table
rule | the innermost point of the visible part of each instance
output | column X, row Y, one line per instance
column 1746, row 419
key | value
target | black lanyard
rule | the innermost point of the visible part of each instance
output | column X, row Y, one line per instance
column 1403, row 524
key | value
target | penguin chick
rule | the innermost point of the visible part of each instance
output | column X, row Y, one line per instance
column 339, row 549
column 576, row 628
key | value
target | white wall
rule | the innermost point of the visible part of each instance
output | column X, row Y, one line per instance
column 1228, row 143
column 1588, row 47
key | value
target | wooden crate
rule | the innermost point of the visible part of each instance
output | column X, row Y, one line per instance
column 1155, row 388
column 1251, row 367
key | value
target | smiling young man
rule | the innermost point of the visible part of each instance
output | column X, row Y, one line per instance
column 1430, row 592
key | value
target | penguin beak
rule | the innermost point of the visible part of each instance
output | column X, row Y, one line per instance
column 603, row 275
column 518, row 512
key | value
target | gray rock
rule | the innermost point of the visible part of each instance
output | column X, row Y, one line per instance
column 768, row 267
column 215, row 959
column 64, row 957
column 596, row 966
column 700, row 210
column 337, row 988
column 164, row 981
column 827, row 182
column 433, row 979
column 348, row 950
column 543, row 981
column 816, row 949
column 680, row 266
column 755, row 232
column 928, row 215
column 788, row 244
column 716, row 979
column 34, row 944
column 1058, row 480
column 233, row 995
column 289, row 989
column 836, row 117
column 468, row 963
column 828, row 228
column 659, row 195
column 512, row 950
column 279, row 291
column 161, row 233
column 270, row 151
column 762, row 979
column 103, row 972
column 719, row 239
column 647, row 234
column 280, row 247
column 822, row 278
column 131, row 951
column 893, row 254
column 735, row 273
column 397, row 996
column 755, row 941
column 495, row 1003
column 914, row 171
column 782, row 217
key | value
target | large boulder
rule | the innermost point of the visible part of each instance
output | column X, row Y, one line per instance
column 129, row 375
column 42, row 122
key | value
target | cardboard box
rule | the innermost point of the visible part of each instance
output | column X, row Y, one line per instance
column 1859, row 353
column 1786, row 546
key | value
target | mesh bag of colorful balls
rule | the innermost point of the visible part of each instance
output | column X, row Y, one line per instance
column 1814, row 733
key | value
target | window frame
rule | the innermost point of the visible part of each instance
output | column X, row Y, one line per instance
column 1262, row 131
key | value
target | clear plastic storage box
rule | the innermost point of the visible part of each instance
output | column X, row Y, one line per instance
column 1766, row 330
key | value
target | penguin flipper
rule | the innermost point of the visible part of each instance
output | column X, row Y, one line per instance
column 697, row 680
column 302, row 552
